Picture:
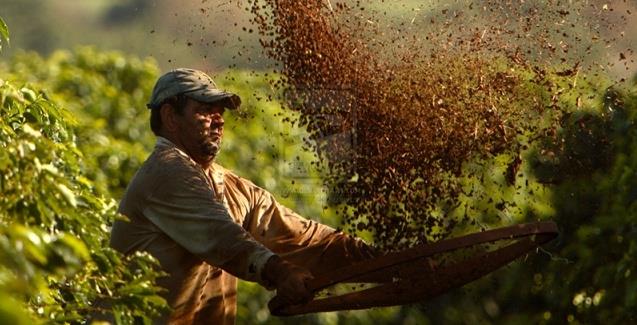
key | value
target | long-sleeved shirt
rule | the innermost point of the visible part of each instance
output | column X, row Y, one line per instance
column 208, row 226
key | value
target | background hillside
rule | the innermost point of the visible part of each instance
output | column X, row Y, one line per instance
column 208, row 34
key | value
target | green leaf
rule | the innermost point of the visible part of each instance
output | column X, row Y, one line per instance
column 68, row 194
column 31, row 243
column 78, row 247
column 4, row 32
column 156, row 300
column 9, row 314
column 103, row 264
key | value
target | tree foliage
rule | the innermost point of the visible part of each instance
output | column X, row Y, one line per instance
column 106, row 92
column 55, row 264
column 587, row 274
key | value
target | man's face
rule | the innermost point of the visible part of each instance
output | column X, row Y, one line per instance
column 200, row 130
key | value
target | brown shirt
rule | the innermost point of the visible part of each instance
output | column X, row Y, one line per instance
column 207, row 227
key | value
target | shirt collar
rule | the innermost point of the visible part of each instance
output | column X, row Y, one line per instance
column 163, row 142
column 217, row 171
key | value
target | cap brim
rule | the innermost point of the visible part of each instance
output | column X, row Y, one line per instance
column 228, row 100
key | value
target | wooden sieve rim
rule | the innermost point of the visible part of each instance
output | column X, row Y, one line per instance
column 429, row 284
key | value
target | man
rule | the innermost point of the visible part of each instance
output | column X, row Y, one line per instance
column 206, row 225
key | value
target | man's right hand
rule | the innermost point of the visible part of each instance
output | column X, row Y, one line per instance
column 290, row 280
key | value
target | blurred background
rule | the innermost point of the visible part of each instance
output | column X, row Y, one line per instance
column 78, row 74
column 214, row 34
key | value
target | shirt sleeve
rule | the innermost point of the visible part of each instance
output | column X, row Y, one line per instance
column 302, row 241
column 184, row 208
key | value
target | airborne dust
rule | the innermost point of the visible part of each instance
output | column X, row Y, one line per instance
column 397, row 106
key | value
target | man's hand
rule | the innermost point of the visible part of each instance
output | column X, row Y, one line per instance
column 289, row 279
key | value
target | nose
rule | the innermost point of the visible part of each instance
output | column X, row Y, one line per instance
column 216, row 120
column 212, row 116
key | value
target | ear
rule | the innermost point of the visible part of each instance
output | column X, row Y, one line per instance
column 168, row 119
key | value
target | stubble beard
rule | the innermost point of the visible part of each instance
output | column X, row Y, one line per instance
column 210, row 147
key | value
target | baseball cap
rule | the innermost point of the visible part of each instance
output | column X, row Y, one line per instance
column 194, row 84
